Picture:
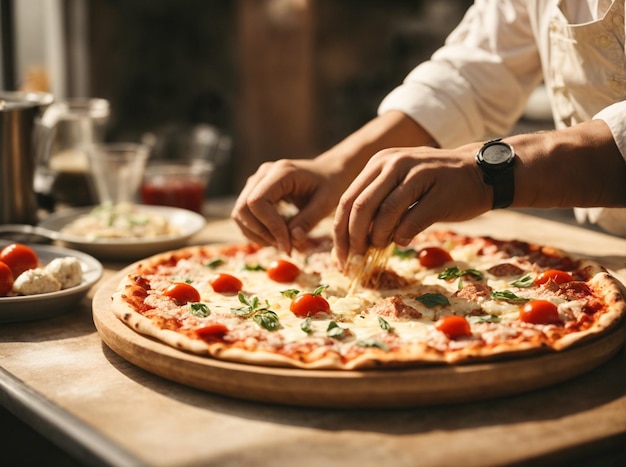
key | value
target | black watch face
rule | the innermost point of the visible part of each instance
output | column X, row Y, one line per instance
column 497, row 153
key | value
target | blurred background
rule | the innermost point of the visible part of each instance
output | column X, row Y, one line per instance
column 257, row 79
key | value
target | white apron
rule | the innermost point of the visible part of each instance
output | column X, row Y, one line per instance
column 587, row 73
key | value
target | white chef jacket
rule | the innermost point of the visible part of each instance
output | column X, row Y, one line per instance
column 477, row 85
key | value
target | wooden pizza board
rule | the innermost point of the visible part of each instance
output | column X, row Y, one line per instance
column 391, row 388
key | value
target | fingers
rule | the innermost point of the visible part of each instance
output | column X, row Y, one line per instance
column 372, row 205
column 401, row 192
column 301, row 182
column 255, row 210
column 346, row 223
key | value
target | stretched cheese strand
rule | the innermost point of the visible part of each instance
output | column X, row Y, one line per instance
column 373, row 264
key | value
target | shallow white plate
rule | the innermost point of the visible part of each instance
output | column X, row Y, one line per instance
column 46, row 305
column 187, row 222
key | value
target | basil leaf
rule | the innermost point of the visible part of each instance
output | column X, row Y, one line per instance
column 508, row 296
column 449, row 273
column 404, row 253
column 454, row 272
column 433, row 299
column 215, row 263
column 249, row 306
column 320, row 289
column 373, row 343
column 201, row 310
column 335, row 331
column 489, row 319
column 254, row 267
column 384, row 325
column 267, row 320
column 290, row 293
column 524, row 282
column 306, row 325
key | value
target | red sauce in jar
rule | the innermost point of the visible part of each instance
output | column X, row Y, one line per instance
column 174, row 192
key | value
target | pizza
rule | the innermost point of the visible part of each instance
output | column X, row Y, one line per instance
column 446, row 299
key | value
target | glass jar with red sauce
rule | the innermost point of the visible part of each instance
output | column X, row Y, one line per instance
column 181, row 185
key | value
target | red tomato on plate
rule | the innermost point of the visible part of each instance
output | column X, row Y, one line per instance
column 19, row 258
column 282, row 271
column 182, row 293
column 454, row 326
column 433, row 256
column 226, row 284
column 6, row 279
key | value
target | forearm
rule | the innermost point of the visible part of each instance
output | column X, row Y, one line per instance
column 392, row 129
column 578, row 166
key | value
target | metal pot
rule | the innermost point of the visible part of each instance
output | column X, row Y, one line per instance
column 19, row 112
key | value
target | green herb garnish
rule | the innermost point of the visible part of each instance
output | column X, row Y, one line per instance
column 261, row 315
column 404, row 253
column 335, row 331
column 508, row 296
column 290, row 293
column 373, row 343
column 201, row 310
column 306, row 325
column 489, row 319
column 433, row 299
column 267, row 319
column 455, row 272
column 384, row 325
column 524, row 282
column 215, row 263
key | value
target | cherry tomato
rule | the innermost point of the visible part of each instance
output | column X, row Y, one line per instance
column 308, row 304
column 282, row 271
column 454, row 326
column 226, row 284
column 212, row 330
column 539, row 312
column 19, row 258
column 6, row 279
column 556, row 275
column 433, row 256
column 182, row 293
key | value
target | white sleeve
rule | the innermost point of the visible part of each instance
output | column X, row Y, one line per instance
column 477, row 84
column 615, row 117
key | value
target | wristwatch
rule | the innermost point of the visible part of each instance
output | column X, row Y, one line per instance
column 495, row 158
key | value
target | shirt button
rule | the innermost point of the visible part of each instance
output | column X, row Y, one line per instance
column 618, row 20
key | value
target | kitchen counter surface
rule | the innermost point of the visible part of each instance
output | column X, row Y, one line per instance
column 58, row 376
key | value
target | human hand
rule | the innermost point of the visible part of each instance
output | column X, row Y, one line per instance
column 308, row 184
column 401, row 191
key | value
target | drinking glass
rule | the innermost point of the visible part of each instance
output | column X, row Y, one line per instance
column 117, row 170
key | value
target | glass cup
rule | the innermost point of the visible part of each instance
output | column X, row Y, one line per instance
column 176, row 184
column 117, row 170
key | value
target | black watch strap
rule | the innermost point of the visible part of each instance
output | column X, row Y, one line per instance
column 503, row 188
